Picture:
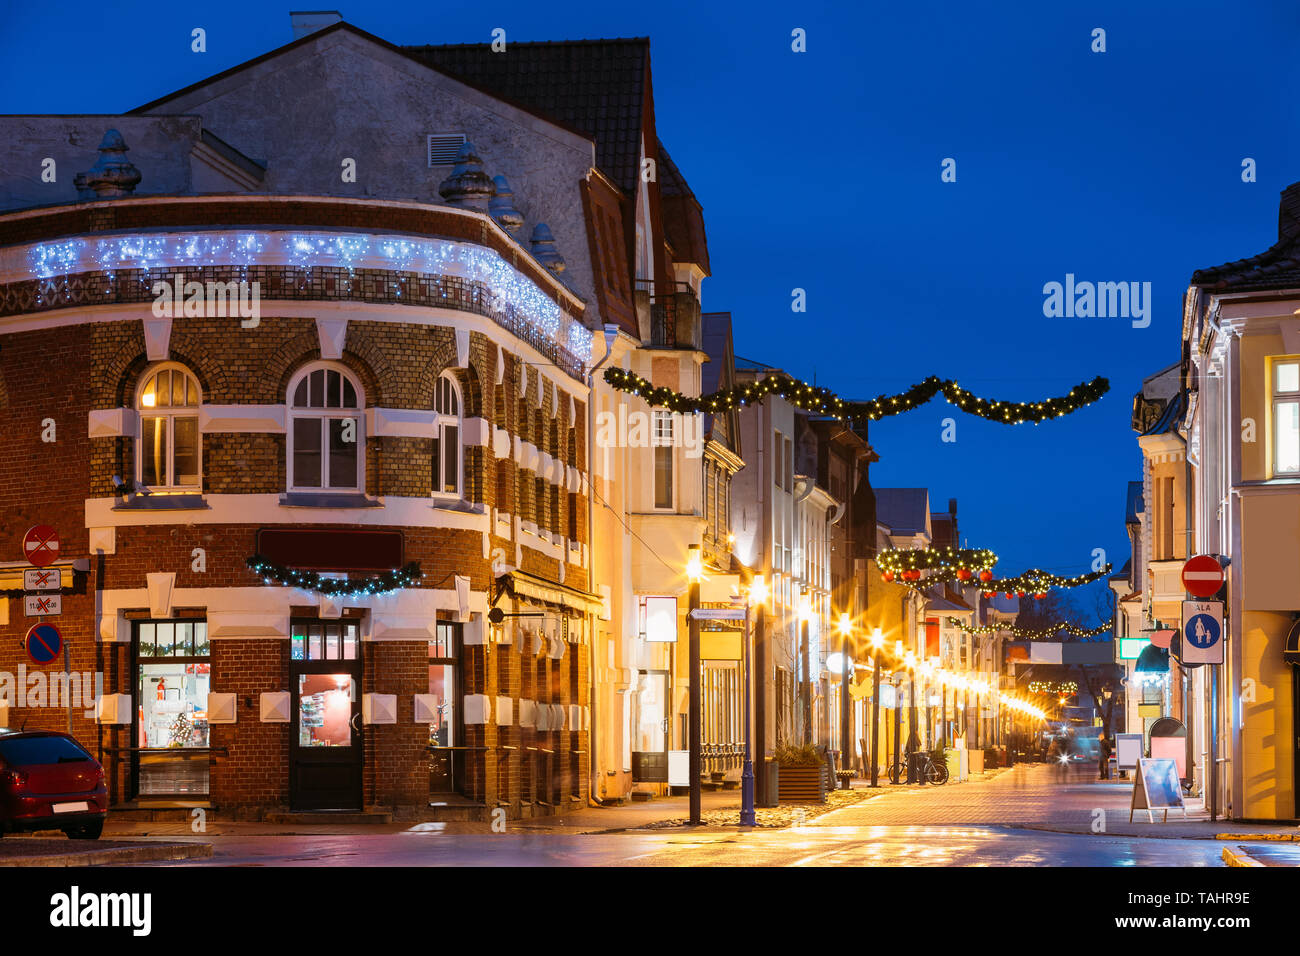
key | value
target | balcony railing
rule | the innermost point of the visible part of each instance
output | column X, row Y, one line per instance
column 674, row 314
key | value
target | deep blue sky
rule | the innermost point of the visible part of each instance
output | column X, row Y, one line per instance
column 821, row 171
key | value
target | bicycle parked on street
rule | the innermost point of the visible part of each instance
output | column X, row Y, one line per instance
column 930, row 772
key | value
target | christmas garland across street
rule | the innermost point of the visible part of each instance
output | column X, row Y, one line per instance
column 1030, row 633
column 945, row 563
column 1036, row 581
column 823, row 401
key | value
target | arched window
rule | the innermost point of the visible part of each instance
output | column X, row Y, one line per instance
column 446, row 438
column 168, row 451
column 326, row 430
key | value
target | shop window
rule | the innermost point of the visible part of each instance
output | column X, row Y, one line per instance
column 1286, row 417
column 173, row 678
column 446, row 438
column 326, row 433
column 446, row 763
column 168, row 450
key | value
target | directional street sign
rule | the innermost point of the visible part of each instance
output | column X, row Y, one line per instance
column 1203, row 576
column 718, row 614
column 37, row 605
column 41, row 579
column 1202, row 638
column 41, row 546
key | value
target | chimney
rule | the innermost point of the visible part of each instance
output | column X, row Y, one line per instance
column 305, row 22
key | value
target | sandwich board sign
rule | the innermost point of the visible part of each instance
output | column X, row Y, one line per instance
column 1156, row 787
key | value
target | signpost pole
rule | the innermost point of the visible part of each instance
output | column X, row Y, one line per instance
column 1214, row 741
column 67, row 684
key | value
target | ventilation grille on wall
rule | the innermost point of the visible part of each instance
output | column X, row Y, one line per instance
column 443, row 148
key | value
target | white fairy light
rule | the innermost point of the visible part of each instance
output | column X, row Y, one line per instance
column 507, row 288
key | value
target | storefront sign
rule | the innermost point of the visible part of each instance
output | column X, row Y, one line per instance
column 1130, row 648
column 313, row 549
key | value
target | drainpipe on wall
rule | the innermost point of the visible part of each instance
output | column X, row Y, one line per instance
column 611, row 333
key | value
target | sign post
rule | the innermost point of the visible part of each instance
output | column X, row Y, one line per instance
column 1202, row 641
column 1203, row 577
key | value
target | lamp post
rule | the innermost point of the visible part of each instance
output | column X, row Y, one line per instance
column 757, row 595
column 694, row 571
column 805, row 687
column 876, row 641
column 898, row 715
column 845, row 627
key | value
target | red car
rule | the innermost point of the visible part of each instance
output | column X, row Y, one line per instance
column 49, row 782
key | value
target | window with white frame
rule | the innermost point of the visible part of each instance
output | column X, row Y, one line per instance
column 446, row 437
column 662, row 439
column 168, row 451
column 326, row 430
column 1286, row 417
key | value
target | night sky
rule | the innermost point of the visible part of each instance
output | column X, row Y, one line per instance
column 821, row 171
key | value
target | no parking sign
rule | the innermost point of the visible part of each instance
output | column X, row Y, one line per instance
column 43, row 643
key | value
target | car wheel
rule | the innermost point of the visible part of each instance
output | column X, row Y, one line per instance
column 86, row 831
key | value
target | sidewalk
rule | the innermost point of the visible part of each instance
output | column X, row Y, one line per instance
column 56, row 851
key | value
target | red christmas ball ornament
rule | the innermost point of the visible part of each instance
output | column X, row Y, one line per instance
column 986, row 575
column 1007, row 594
column 887, row 576
column 1040, row 595
column 988, row 594
column 1020, row 594
column 963, row 574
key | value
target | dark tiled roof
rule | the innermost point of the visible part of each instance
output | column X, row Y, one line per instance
column 683, row 216
column 903, row 510
column 1278, row 267
column 594, row 86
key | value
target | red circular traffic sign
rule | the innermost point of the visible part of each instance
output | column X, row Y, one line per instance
column 41, row 546
column 1203, row 576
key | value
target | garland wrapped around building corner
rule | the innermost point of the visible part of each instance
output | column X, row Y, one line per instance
column 270, row 572
column 822, row 401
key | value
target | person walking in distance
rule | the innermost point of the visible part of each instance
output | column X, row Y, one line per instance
column 1103, row 757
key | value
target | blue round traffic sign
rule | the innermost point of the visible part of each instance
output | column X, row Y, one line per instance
column 43, row 642
column 1202, row 631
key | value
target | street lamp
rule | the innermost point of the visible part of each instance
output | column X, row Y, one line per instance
column 757, row 595
column 805, row 690
column 876, row 641
column 845, row 627
column 694, row 571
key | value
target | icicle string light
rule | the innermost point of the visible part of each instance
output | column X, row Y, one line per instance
column 308, row 250
column 822, row 401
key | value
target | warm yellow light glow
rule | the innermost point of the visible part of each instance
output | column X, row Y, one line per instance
column 909, row 661
column 758, row 590
column 731, row 539
column 805, row 608
column 148, row 400
column 844, row 625
column 898, row 648
column 694, row 566
column 877, row 639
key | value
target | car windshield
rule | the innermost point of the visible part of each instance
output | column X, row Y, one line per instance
column 30, row 751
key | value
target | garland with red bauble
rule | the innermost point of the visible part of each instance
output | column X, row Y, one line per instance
column 906, row 565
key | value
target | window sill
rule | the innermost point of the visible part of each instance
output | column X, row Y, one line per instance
column 309, row 499
column 162, row 502
column 459, row 506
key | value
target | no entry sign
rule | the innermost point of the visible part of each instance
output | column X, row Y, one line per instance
column 43, row 643
column 1203, row 576
column 41, row 546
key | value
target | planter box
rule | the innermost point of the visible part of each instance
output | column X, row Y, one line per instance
column 802, row 784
